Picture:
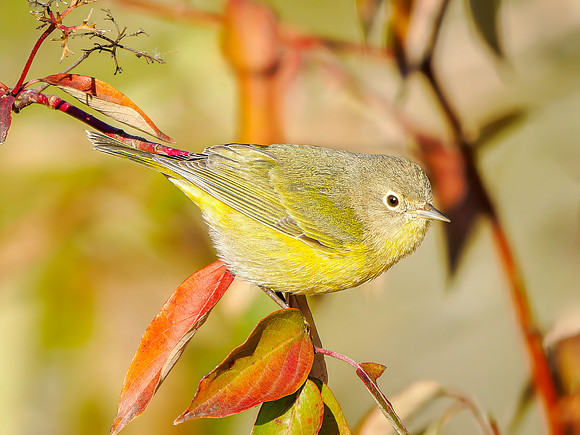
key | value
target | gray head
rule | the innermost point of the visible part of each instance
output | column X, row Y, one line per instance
column 395, row 203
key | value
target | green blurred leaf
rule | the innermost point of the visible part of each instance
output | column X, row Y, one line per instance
column 525, row 400
column 334, row 421
column 499, row 125
column 485, row 15
column 297, row 414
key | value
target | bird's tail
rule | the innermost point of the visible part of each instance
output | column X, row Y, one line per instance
column 115, row 147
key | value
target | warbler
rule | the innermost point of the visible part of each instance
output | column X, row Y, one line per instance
column 300, row 219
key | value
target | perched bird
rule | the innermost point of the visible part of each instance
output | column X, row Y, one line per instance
column 297, row 218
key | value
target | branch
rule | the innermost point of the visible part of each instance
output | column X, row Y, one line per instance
column 370, row 382
column 18, row 87
column 179, row 12
column 30, row 96
column 543, row 382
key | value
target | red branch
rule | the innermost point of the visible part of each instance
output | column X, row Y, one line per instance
column 39, row 42
column 542, row 378
column 54, row 102
column 30, row 96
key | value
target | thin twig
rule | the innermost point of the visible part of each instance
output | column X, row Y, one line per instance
column 18, row 87
column 380, row 399
column 487, row 426
column 179, row 12
column 275, row 297
column 29, row 96
column 318, row 369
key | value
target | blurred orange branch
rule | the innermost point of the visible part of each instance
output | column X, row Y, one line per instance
column 251, row 43
column 543, row 382
column 293, row 38
column 177, row 11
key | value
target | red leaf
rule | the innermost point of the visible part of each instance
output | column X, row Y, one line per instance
column 107, row 100
column 6, row 102
column 460, row 192
column 374, row 370
column 297, row 414
column 166, row 337
column 272, row 363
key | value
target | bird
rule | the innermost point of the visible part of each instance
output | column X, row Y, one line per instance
column 299, row 219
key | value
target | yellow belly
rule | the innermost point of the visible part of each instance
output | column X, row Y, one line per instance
column 267, row 257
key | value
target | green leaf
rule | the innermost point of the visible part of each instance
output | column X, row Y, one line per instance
column 334, row 422
column 272, row 363
column 485, row 15
column 499, row 125
column 298, row 414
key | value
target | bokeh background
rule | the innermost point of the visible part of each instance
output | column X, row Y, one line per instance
column 91, row 246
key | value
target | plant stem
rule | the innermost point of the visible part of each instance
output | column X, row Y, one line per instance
column 28, row 97
column 18, row 87
column 541, row 375
column 318, row 369
column 380, row 399
column 180, row 12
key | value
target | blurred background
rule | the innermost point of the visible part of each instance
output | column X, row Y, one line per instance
column 91, row 246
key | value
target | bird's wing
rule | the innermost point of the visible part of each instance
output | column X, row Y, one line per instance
column 239, row 176
column 246, row 177
column 315, row 192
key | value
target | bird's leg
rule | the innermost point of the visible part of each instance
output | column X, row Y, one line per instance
column 277, row 297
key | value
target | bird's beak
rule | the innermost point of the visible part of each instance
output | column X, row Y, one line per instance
column 430, row 212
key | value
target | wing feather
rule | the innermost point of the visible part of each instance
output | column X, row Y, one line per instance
column 250, row 179
column 238, row 175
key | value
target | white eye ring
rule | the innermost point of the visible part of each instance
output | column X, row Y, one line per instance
column 391, row 200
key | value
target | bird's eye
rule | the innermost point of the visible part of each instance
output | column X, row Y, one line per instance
column 391, row 200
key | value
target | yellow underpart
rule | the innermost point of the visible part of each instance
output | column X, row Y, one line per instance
column 267, row 257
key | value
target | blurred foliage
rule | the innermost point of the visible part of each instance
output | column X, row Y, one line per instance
column 90, row 247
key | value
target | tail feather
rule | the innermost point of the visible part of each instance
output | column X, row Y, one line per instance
column 115, row 147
